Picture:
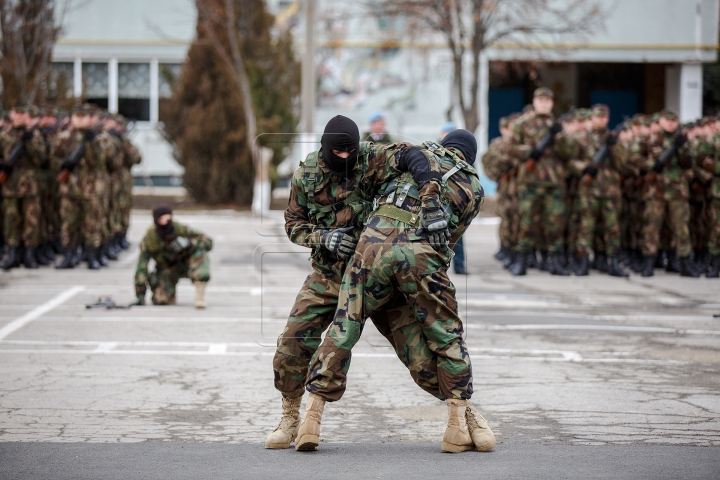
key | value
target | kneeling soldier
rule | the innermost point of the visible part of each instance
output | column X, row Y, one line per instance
column 179, row 252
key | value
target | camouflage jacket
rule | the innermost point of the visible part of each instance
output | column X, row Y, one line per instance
column 25, row 177
column 606, row 183
column 549, row 170
column 501, row 166
column 91, row 171
column 321, row 201
column 461, row 193
column 154, row 247
column 713, row 168
column 672, row 182
column 701, row 149
column 386, row 139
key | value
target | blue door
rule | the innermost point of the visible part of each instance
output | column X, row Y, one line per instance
column 501, row 103
column 621, row 103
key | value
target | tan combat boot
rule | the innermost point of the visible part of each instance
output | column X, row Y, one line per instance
column 308, row 437
column 287, row 429
column 200, row 294
column 457, row 437
column 482, row 436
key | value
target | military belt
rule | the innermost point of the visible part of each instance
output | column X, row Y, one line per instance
column 391, row 211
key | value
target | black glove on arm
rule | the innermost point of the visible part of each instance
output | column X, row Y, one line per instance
column 556, row 128
column 339, row 242
column 434, row 224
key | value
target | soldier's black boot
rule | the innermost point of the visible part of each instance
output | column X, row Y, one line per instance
column 581, row 266
column 519, row 266
column 41, row 258
column 124, row 244
column 702, row 263
column 624, row 255
column 68, row 261
column 101, row 257
column 554, row 265
column 713, row 270
column 531, row 260
column 686, row 267
column 509, row 260
column 57, row 247
column 601, row 263
column 648, row 266
column 501, row 254
column 661, row 259
column 29, row 258
column 614, row 268
column 92, row 255
column 12, row 260
column 673, row 263
column 110, row 251
column 76, row 256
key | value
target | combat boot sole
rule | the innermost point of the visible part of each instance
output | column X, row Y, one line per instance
column 450, row 448
column 307, row 443
column 281, row 445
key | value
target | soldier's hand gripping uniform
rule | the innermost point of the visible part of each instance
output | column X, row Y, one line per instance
column 24, row 152
column 328, row 198
column 394, row 263
column 179, row 252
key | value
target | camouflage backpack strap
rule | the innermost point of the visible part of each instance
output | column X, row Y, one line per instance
column 460, row 164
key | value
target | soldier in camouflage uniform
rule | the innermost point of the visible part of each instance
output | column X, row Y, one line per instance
column 24, row 152
column 666, row 194
column 501, row 166
column 711, row 165
column 330, row 193
column 377, row 133
column 701, row 148
column 599, row 195
column 179, row 252
column 50, row 125
column 541, row 181
column 131, row 157
column 391, row 260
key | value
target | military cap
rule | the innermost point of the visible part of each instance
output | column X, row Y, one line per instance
column 504, row 122
column 528, row 108
column 583, row 114
column 669, row 114
column 59, row 112
column 84, row 109
column 600, row 110
column 543, row 92
column 655, row 117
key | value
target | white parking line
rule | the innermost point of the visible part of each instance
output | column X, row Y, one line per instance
column 39, row 311
column 604, row 328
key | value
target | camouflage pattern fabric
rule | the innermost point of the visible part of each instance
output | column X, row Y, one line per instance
column 502, row 167
column 192, row 263
column 131, row 157
column 713, row 219
column 336, row 203
column 22, row 221
column 541, row 205
column 677, row 214
column 390, row 258
column 70, row 211
column 602, row 211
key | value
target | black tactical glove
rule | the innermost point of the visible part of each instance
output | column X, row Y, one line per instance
column 5, row 168
column 339, row 242
column 433, row 223
column 89, row 135
column 179, row 244
column 611, row 140
column 590, row 170
column 680, row 140
column 556, row 128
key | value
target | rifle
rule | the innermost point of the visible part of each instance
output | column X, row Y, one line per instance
column 76, row 156
column 668, row 154
column 547, row 139
column 107, row 303
column 604, row 150
column 16, row 154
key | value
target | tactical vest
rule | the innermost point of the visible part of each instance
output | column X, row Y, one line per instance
column 405, row 186
column 312, row 176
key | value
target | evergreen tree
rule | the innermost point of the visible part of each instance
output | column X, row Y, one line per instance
column 206, row 121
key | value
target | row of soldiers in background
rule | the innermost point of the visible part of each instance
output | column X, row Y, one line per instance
column 66, row 186
column 645, row 195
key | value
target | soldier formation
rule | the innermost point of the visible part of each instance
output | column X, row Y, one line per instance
column 643, row 196
column 66, row 187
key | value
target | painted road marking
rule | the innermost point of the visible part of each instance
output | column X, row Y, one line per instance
column 39, row 311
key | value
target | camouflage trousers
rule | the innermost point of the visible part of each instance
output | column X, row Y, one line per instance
column 713, row 226
column 163, row 281
column 677, row 214
column 542, row 208
column 22, row 221
column 509, row 220
column 385, row 264
column 49, row 218
column 70, row 221
column 93, row 220
column 632, row 221
column 573, row 223
column 599, row 217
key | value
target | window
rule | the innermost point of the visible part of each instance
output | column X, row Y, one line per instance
column 169, row 74
column 134, row 90
column 95, row 83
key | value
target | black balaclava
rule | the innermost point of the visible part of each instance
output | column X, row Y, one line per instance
column 342, row 134
column 164, row 231
column 463, row 141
